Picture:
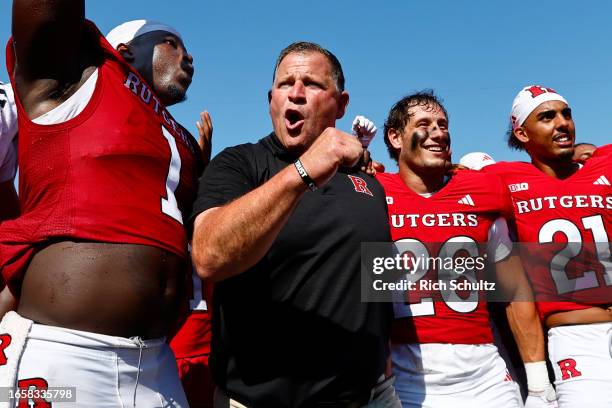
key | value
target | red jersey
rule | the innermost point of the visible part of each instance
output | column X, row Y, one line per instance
column 194, row 335
column 121, row 171
column 462, row 211
column 577, row 210
column 605, row 150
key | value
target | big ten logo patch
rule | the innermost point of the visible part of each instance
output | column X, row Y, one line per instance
column 5, row 341
column 568, row 369
column 360, row 185
column 518, row 187
column 32, row 392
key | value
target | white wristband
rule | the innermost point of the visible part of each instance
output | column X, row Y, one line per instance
column 537, row 376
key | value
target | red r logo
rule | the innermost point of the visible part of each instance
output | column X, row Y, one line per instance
column 5, row 341
column 33, row 385
column 539, row 90
column 568, row 369
column 360, row 185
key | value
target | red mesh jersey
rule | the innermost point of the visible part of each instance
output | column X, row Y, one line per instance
column 122, row 171
column 463, row 210
column 577, row 210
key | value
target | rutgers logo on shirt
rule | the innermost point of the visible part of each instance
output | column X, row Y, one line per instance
column 360, row 185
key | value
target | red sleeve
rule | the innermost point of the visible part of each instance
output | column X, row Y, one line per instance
column 506, row 202
column 605, row 150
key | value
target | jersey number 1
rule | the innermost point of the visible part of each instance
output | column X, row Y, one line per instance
column 169, row 205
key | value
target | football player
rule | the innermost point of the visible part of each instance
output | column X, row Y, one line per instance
column 563, row 210
column 442, row 346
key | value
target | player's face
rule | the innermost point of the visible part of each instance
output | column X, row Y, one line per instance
column 549, row 132
column 425, row 140
column 304, row 100
column 163, row 60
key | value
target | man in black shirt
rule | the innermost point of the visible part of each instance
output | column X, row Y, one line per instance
column 278, row 226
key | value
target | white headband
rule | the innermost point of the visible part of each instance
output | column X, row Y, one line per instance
column 126, row 32
column 528, row 99
column 476, row 160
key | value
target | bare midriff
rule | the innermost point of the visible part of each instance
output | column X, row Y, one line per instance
column 583, row 316
column 114, row 289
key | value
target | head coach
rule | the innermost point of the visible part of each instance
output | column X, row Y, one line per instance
column 278, row 226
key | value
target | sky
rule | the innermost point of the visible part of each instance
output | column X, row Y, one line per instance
column 476, row 55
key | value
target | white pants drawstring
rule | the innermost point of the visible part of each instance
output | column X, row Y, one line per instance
column 141, row 345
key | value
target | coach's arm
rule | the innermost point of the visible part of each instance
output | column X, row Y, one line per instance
column 228, row 240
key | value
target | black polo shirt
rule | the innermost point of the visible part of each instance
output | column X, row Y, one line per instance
column 291, row 331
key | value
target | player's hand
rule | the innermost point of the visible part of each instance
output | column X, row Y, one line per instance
column 542, row 399
column 364, row 129
column 205, row 129
column 332, row 149
column 371, row 166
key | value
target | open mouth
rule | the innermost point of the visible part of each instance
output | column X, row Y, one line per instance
column 186, row 76
column 563, row 139
column 188, row 69
column 185, row 80
column 293, row 119
column 435, row 148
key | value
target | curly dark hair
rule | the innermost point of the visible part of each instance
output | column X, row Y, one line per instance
column 399, row 115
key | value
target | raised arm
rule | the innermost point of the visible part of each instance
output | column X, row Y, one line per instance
column 47, row 35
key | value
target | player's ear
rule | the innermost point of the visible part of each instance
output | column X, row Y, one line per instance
column 395, row 138
column 343, row 101
column 126, row 52
column 269, row 96
column 521, row 134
